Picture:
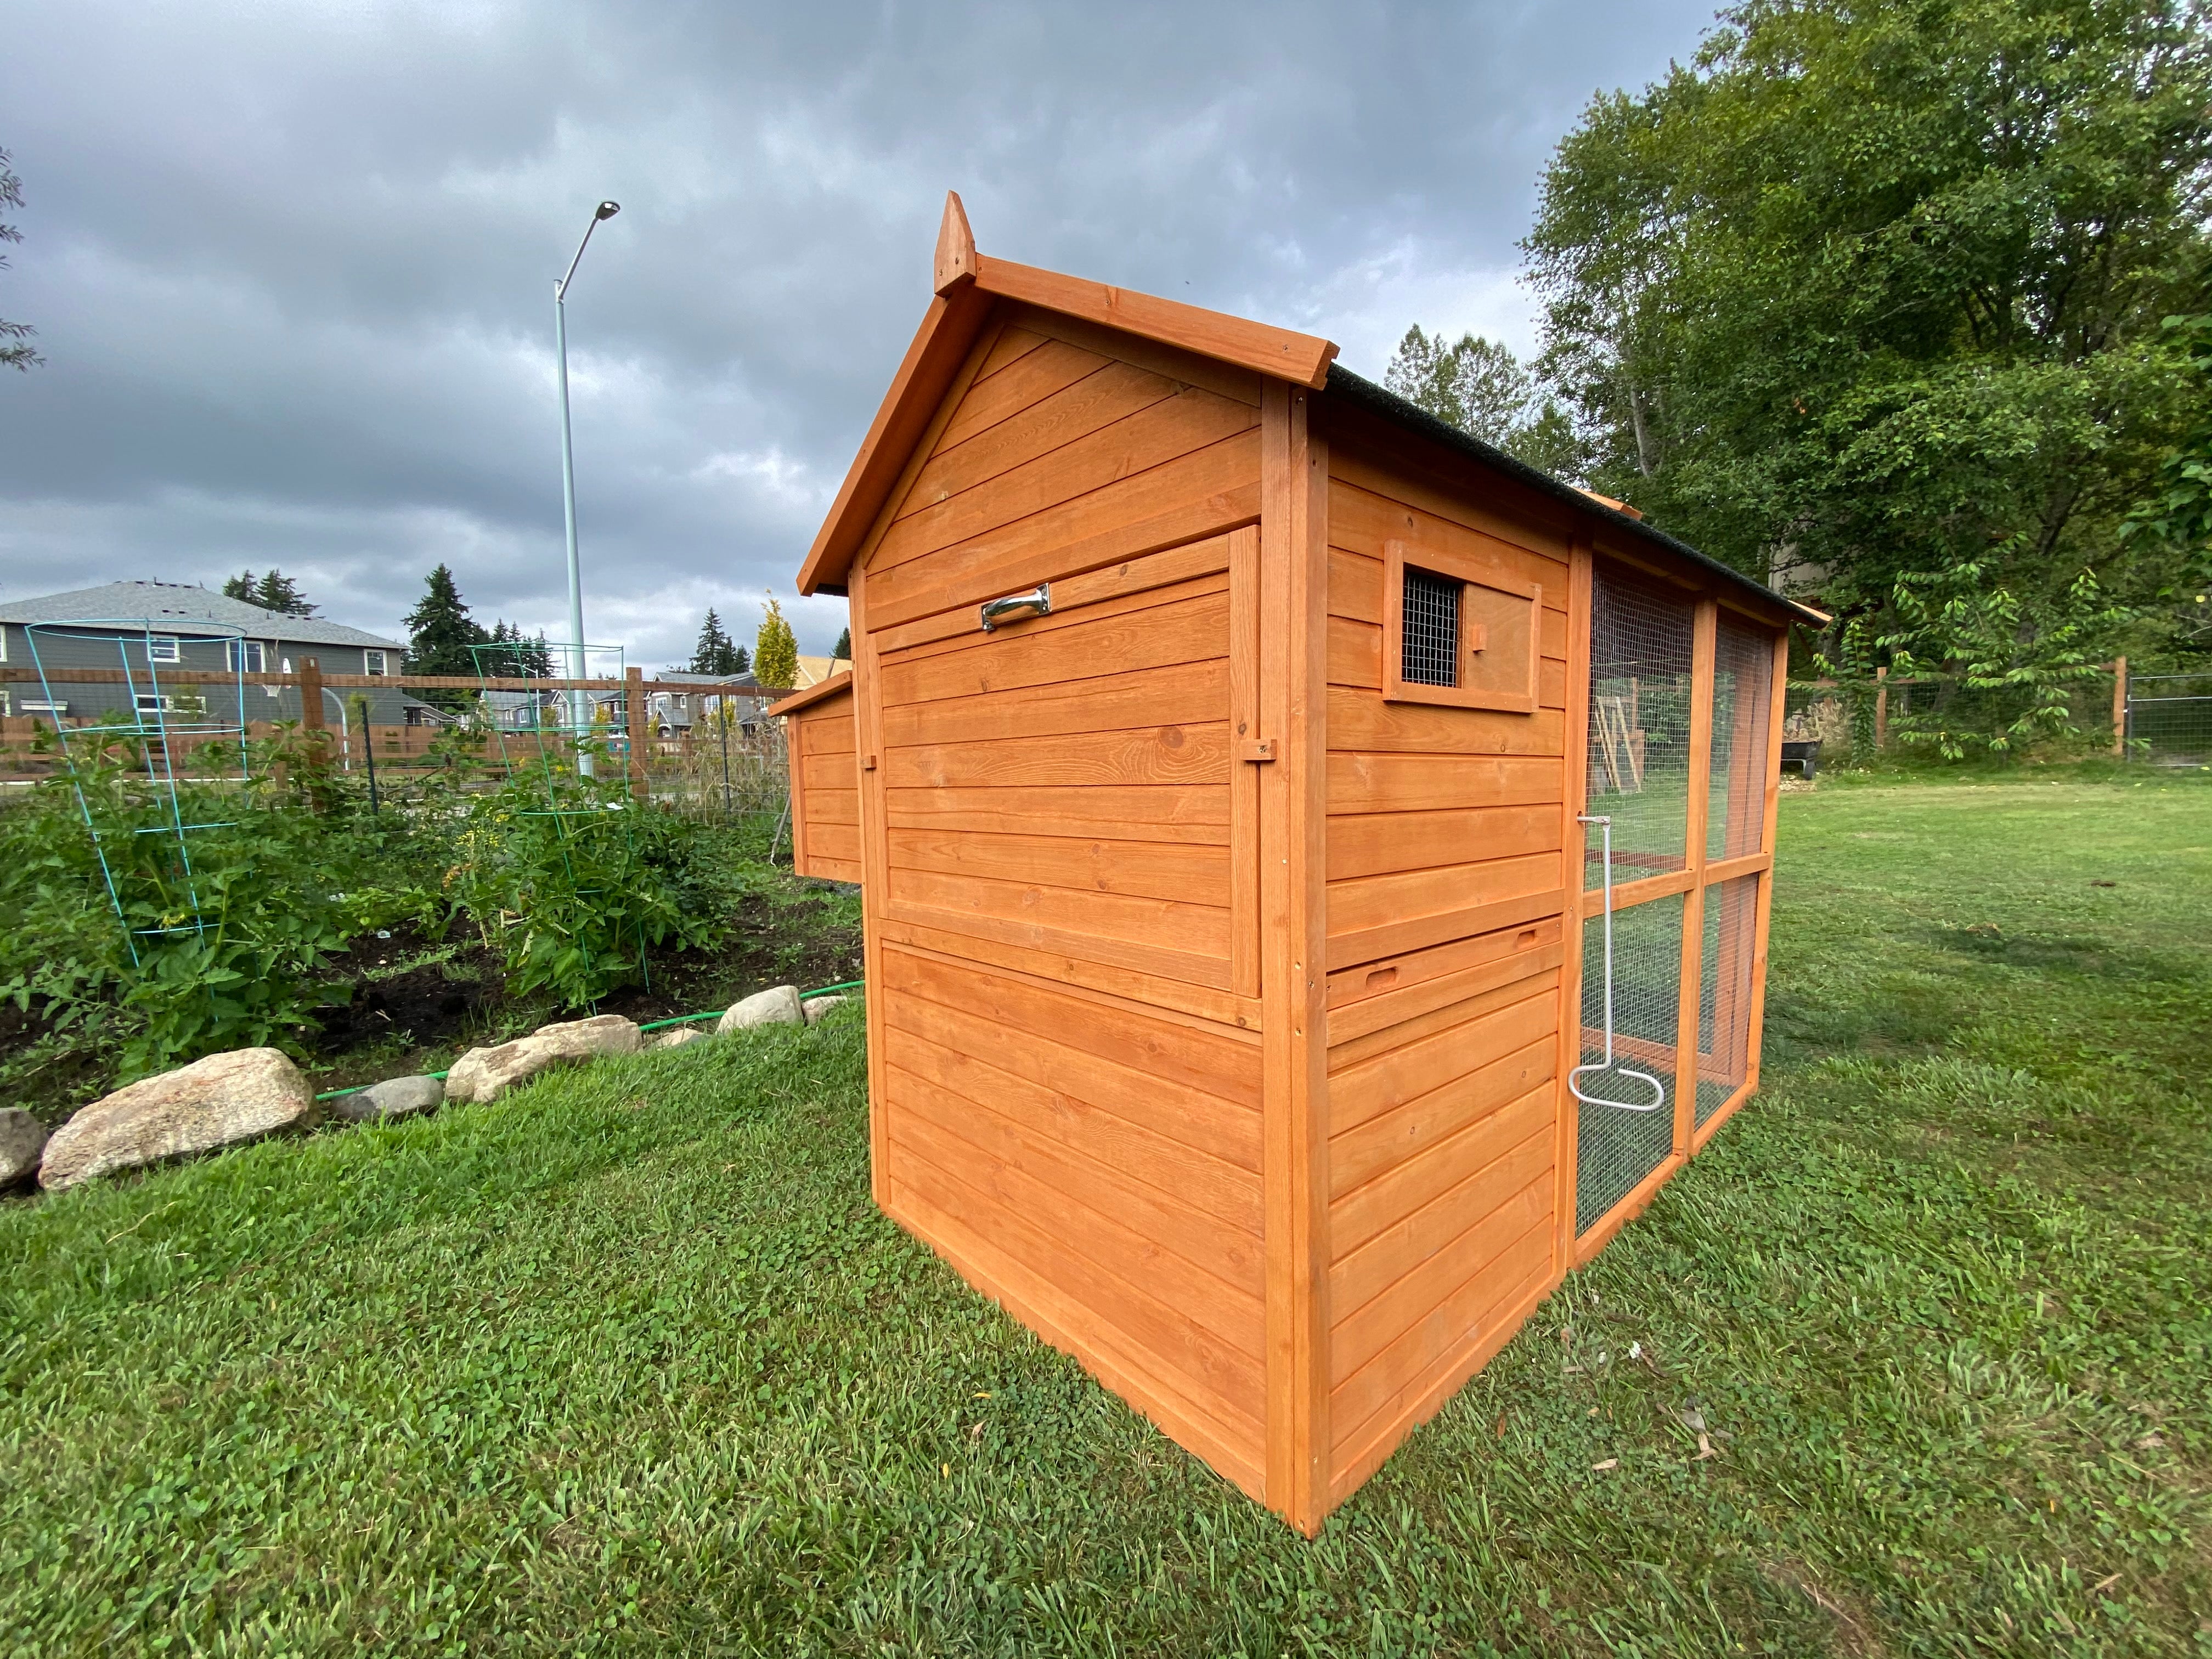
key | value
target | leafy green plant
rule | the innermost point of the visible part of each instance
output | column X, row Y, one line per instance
column 574, row 883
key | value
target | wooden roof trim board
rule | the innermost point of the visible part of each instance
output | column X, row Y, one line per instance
column 821, row 691
column 967, row 285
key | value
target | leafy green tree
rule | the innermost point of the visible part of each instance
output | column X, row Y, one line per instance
column 15, row 351
column 2172, row 526
column 716, row 653
column 776, row 650
column 1480, row 387
column 1872, row 288
column 439, row 631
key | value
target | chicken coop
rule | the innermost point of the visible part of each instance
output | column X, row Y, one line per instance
column 1315, row 866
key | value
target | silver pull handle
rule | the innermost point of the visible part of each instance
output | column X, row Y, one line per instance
column 1608, row 1064
column 1040, row 602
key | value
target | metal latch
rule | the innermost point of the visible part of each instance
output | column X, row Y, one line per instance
column 1040, row 602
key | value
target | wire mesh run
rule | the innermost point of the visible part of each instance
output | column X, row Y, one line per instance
column 1431, row 630
column 1617, row 1149
column 2169, row 719
column 1743, row 691
column 1725, row 992
column 1641, row 645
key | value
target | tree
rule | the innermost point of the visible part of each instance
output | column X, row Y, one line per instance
column 716, row 653
column 1873, row 288
column 274, row 591
column 439, row 630
column 1480, row 387
column 842, row 650
column 16, row 350
column 775, row 651
column 520, row 657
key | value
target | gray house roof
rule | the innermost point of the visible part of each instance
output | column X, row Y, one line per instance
column 174, row 605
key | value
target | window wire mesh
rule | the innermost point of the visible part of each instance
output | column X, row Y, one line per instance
column 1616, row 1150
column 1430, row 630
column 1725, row 992
column 1641, row 644
column 1743, row 688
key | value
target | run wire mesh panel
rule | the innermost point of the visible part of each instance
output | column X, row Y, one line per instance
column 1430, row 655
column 2169, row 719
column 1725, row 992
column 1641, row 645
column 1616, row 1149
column 1743, row 689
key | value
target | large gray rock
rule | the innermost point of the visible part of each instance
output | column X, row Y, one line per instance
column 778, row 1007
column 398, row 1097
column 21, row 1136
column 484, row 1074
column 675, row 1037
column 817, row 1006
column 217, row 1102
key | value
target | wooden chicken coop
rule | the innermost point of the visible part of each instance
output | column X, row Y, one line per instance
column 1219, row 762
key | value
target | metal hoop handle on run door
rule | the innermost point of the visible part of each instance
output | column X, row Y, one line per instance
column 1658, row 1089
column 1040, row 602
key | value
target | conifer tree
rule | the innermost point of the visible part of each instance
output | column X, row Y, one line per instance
column 716, row 653
column 439, row 630
column 844, row 648
column 775, row 651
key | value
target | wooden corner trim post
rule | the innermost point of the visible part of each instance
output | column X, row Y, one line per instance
column 1294, row 801
column 1705, row 638
column 875, row 870
column 633, row 719
column 1574, row 801
column 1770, row 815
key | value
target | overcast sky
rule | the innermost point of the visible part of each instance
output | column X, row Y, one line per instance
column 291, row 266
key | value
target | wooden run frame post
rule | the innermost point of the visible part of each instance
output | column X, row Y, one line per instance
column 1704, row 636
column 1573, row 877
column 634, row 717
column 1293, row 823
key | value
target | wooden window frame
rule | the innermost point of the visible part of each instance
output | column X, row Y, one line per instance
column 1468, row 573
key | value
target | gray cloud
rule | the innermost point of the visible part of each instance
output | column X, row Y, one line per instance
column 292, row 265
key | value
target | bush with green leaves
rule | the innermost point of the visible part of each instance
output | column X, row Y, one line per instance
column 574, row 883
column 184, row 944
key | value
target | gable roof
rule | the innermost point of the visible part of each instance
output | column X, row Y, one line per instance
column 175, row 605
column 967, row 283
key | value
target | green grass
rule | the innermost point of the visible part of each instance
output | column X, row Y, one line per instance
column 628, row 1362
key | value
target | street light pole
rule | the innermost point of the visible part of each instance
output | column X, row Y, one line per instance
column 576, row 699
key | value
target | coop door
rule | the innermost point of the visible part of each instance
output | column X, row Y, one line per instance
column 1643, row 648
column 1062, row 774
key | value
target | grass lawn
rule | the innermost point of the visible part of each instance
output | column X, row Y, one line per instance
column 628, row 1362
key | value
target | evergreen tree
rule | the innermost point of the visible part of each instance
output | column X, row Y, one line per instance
column 439, row 630
column 16, row 350
column 775, row 651
column 520, row 657
column 273, row 591
column 279, row 592
column 844, row 649
column 716, row 653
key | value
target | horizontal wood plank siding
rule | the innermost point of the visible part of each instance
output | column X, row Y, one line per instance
column 1111, row 1156
column 825, row 782
column 1445, row 901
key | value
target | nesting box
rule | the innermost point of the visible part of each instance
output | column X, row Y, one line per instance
column 1217, row 761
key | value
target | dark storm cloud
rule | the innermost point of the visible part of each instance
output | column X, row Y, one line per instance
column 292, row 265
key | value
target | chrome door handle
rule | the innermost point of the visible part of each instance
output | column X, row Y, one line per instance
column 1040, row 602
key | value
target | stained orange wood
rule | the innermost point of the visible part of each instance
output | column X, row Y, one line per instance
column 1200, row 493
column 1218, row 1008
column 1379, row 843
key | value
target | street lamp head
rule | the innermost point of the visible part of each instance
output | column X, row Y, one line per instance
column 608, row 209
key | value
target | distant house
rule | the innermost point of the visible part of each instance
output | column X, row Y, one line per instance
column 671, row 712
column 150, row 629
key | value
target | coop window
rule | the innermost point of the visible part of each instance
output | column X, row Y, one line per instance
column 1460, row 628
column 1429, row 648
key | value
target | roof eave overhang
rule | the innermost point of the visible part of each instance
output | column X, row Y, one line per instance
column 836, row 685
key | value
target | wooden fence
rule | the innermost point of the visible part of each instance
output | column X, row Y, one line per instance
column 703, row 763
